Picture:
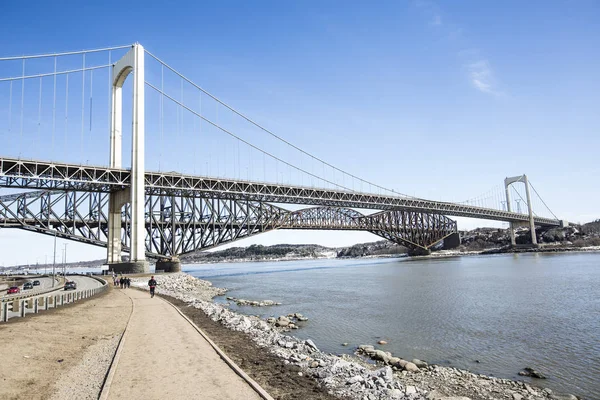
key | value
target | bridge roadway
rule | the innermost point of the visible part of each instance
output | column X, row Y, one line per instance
column 34, row 174
column 83, row 283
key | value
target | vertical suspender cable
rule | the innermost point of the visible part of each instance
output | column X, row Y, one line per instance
column 109, row 96
column 10, row 90
column 22, row 105
column 39, row 139
column 82, row 107
column 91, row 100
column 199, row 138
column 162, row 117
column 54, row 109
column 66, row 115
column 180, row 130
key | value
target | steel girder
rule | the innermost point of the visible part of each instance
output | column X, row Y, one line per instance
column 180, row 225
column 411, row 229
column 46, row 175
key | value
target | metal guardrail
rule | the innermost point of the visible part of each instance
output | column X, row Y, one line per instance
column 33, row 292
column 43, row 301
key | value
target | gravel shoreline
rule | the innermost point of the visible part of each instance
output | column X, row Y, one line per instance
column 349, row 377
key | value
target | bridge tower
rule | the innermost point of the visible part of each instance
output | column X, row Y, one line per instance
column 507, row 183
column 133, row 61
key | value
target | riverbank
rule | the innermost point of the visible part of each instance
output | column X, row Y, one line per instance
column 351, row 377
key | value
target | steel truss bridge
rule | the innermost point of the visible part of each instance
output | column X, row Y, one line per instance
column 185, row 213
column 163, row 215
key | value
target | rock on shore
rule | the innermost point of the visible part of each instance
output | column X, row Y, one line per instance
column 350, row 377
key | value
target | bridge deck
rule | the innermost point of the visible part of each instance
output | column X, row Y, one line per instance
column 33, row 174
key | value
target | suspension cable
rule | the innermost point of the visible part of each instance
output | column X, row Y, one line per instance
column 239, row 138
column 71, row 71
column 248, row 119
column 543, row 202
column 69, row 53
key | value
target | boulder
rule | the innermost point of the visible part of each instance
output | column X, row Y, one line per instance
column 282, row 321
column 562, row 396
column 271, row 320
column 410, row 367
column 310, row 344
column 365, row 347
column 382, row 342
column 410, row 390
column 436, row 394
column 419, row 363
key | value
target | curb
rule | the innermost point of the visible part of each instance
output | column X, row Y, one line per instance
column 253, row 384
column 105, row 388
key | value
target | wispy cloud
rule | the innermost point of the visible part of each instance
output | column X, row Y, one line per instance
column 482, row 77
column 431, row 10
column 479, row 70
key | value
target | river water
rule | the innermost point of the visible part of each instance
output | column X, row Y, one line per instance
column 506, row 311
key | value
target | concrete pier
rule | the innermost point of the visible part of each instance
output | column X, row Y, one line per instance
column 135, row 267
column 173, row 265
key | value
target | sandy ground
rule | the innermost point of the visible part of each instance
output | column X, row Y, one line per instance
column 39, row 349
column 164, row 357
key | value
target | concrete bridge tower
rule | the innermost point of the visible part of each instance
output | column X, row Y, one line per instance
column 507, row 183
column 133, row 61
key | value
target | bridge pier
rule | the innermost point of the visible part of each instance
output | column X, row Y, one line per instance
column 132, row 267
column 452, row 241
column 173, row 265
column 419, row 251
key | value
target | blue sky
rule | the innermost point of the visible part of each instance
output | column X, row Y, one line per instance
column 440, row 100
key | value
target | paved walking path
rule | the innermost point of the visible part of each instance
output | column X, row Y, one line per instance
column 164, row 357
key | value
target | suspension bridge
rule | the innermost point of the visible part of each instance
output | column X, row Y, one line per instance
column 201, row 173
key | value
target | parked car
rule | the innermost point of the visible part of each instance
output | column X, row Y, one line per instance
column 13, row 290
column 70, row 285
column 36, row 283
column 27, row 285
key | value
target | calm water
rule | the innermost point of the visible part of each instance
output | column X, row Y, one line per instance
column 508, row 311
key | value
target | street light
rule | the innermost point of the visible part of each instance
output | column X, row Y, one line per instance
column 54, row 262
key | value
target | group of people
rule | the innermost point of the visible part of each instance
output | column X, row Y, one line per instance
column 122, row 281
column 125, row 283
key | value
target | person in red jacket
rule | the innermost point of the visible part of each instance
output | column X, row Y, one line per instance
column 152, row 284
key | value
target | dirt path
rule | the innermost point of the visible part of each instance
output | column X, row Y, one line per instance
column 40, row 349
column 164, row 357
column 281, row 381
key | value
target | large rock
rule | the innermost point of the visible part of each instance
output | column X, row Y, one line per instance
column 282, row 321
column 562, row 396
column 419, row 363
column 436, row 394
column 410, row 367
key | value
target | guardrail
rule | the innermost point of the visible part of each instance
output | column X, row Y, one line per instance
column 34, row 292
column 36, row 302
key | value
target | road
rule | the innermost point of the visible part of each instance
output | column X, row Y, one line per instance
column 83, row 283
column 45, row 284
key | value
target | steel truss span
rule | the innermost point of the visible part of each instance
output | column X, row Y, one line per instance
column 178, row 225
column 55, row 176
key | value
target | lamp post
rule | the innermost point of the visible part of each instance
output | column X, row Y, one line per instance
column 54, row 262
column 65, row 262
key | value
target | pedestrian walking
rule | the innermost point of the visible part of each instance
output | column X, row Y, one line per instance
column 152, row 284
column 122, row 282
column 128, row 282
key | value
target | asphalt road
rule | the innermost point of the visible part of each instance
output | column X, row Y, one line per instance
column 83, row 283
column 45, row 284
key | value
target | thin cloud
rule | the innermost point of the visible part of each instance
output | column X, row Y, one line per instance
column 482, row 77
column 436, row 20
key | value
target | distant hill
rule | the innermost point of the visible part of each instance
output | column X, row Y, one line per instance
column 478, row 239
